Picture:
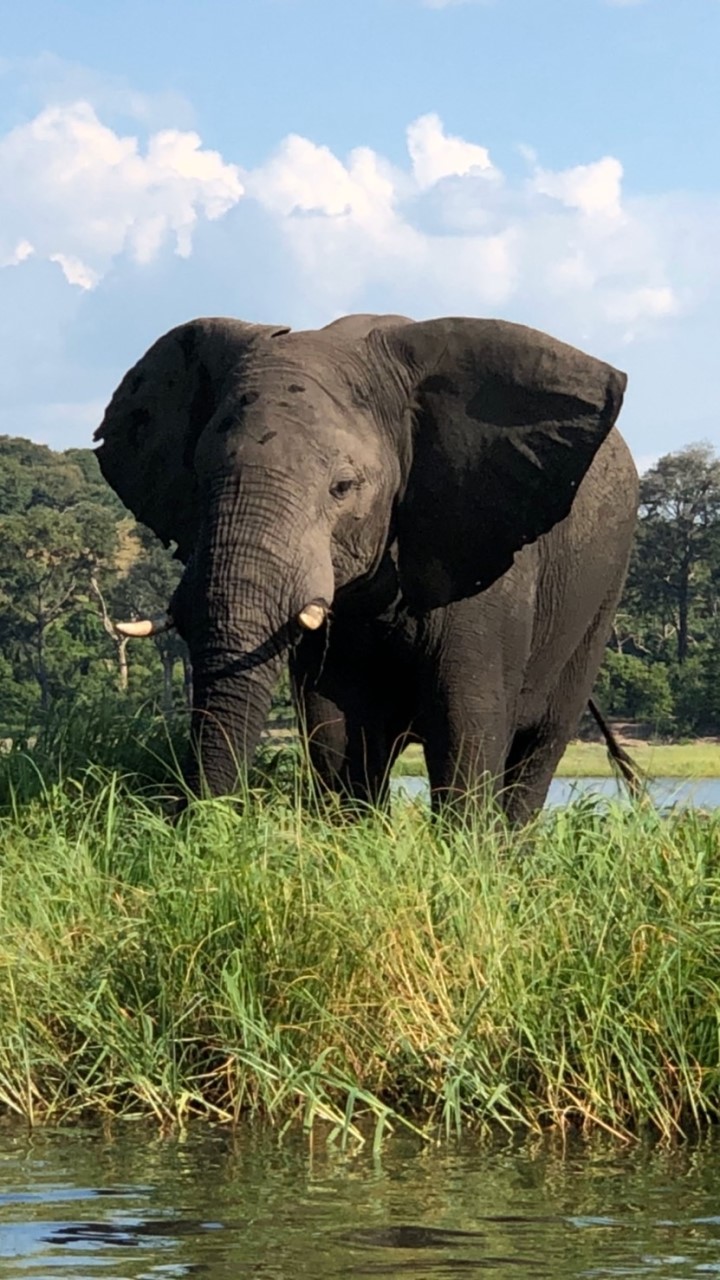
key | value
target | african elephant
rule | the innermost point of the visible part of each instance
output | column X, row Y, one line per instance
column 433, row 520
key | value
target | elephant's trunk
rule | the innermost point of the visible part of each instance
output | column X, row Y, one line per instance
column 254, row 571
column 230, row 708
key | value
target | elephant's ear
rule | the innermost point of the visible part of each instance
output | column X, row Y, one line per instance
column 504, row 423
column 157, row 414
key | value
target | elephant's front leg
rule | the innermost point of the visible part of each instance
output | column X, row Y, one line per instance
column 465, row 751
column 344, row 718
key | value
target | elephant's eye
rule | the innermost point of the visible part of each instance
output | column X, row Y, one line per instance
column 341, row 488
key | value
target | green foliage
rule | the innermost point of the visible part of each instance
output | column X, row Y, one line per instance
column 664, row 661
column 630, row 687
column 65, row 537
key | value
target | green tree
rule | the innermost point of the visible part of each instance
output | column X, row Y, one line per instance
column 48, row 558
column 68, row 544
column 145, row 591
column 630, row 687
column 673, row 580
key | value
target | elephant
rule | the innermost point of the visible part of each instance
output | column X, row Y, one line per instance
column 430, row 521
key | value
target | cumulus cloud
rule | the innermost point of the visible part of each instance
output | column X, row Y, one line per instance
column 436, row 155
column 449, row 230
column 445, row 231
column 594, row 189
column 109, row 235
column 78, row 194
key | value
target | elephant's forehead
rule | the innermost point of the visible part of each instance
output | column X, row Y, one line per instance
column 295, row 382
column 296, row 399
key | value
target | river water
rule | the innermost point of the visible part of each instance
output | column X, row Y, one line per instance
column 242, row 1204
column 703, row 793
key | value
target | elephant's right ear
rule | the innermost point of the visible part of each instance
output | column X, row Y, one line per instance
column 157, row 414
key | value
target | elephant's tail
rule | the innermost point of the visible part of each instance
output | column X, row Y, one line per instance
column 633, row 775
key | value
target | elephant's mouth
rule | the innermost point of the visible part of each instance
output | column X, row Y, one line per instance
column 311, row 617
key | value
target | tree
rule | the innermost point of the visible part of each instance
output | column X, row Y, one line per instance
column 48, row 558
column 639, row 690
column 144, row 591
column 673, row 578
column 68, row 544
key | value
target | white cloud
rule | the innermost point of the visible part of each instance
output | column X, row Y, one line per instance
column 22, row 251
column 312, row 234
column 594, row 189
column 636, row 303
column 75, row 271
column 564, row 248
column 445, row 232
column 437, row 155
column 305, row 178
column 81, row 194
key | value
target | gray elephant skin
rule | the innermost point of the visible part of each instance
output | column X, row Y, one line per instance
column 431, row 520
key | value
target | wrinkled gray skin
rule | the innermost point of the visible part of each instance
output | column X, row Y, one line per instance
column 455, row 489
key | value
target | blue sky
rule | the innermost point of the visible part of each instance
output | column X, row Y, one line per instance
column 554, row 162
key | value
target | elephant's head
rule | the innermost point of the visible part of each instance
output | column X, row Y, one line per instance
column 291, row 468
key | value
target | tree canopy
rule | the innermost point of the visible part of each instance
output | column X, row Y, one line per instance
column 73, row 558
column 69, row 547
column 664, row 659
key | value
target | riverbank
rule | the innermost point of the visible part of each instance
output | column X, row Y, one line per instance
column 700, row 759
column 281, row 965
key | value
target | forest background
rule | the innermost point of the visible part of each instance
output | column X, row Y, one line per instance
column 73, row 558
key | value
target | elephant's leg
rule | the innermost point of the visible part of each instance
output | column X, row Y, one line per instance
column 465, row 738
column 534, row 755
column 465, row 770
column 348, row 747
column 343, row 709
column 471, row 671
column 536, row 750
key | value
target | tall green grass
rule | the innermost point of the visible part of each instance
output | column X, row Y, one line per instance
column 278, row 961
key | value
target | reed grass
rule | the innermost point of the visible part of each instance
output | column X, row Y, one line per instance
column 279, row 962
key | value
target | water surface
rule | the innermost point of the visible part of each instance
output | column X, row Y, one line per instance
column 221, row 1205
column 703, row 793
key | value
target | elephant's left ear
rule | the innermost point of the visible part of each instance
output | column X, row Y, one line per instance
column 505, row 421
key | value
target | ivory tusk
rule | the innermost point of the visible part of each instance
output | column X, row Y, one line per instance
column 146, row 626
column 313, row 616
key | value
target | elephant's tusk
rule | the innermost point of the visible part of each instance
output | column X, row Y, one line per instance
column 313, row 615
column 146, row 626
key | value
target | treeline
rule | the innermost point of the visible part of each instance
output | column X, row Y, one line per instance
column 72, row 559
column 663, row 661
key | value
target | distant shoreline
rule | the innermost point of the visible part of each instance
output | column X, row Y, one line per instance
column 697, row 759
